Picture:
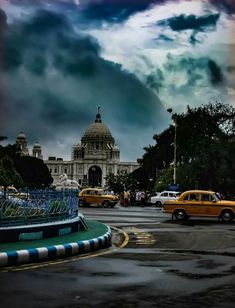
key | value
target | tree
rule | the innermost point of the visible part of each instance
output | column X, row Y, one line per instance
column 8, row 174
column 120, row 182
column 165, row 179
column 205, row 143
column 34, row 172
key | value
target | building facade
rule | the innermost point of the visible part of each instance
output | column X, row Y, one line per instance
column 93, row 159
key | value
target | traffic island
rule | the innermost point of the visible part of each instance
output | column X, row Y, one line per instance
column 98, row 236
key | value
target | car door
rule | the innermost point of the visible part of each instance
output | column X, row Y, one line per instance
column 86, row 196
column 208, row 205
column 164, row 196
column 192, row 204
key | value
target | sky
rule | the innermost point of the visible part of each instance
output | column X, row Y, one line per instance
column 60, row 60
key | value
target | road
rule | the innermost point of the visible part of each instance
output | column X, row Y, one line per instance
column 164, row 264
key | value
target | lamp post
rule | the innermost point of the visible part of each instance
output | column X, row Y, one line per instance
column 170, row 110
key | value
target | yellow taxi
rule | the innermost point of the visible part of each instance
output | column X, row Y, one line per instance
column 97, row 197
column 200, row 203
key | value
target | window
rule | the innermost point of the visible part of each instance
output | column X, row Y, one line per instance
column 205, row 197
column 194, row 197
column 164, row 194
column 55, row 170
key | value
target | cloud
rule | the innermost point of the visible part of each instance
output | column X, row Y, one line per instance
column 191, row 22
column 227, row 6
column 115, row 11
column 216, row 75
column 164, row 38
column 55, row 78
column 3, row 18
column 189, row 80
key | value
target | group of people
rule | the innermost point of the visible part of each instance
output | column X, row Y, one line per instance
column 132, row 198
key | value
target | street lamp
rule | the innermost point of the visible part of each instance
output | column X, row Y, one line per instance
column 170, row 110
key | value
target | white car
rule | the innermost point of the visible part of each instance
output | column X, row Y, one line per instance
column 164, row 196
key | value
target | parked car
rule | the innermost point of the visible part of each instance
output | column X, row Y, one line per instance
column 159, row 199
column 200, row 203
column 97, row 197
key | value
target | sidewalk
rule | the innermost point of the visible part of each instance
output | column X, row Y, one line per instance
column 98, row 236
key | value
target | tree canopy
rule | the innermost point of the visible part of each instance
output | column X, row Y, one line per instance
column 22, row 171
column 205, row 147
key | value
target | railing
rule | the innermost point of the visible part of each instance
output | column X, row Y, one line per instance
column 37, row 206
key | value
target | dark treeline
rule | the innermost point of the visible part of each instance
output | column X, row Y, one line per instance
column 21, row 171
column 205, row 151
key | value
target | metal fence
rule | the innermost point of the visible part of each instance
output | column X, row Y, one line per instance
column 37, row 206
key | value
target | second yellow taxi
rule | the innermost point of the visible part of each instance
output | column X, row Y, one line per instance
column 97, row 197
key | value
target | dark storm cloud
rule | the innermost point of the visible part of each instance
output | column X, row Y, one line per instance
column 227, row 6
column 3, row 18
column 55, row 78
column 231, row 69
column 45, row 22
column 196, row 68
column 97, row 11
column 216, row 75
column 54, row 110
column 164, row 38
column 191, row 22
column 193, row 73
column 155, row 80
column 31, row 39
column 116, row 10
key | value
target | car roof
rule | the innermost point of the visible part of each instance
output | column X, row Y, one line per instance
column 199, row 191
column 170, row 191
column 92, row 188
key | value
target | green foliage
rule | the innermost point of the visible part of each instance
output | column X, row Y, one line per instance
column 8, row 174
column 118, row 183
column 205, row 147
column 33, row 171
column 165, row 179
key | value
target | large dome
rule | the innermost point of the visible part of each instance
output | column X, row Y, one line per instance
column 97, row 131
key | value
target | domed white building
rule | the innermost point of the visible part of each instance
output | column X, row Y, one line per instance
column 93, row 159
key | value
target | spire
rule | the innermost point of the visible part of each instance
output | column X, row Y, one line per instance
column 98, row 116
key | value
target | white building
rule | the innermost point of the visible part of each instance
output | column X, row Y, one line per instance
column 93, row 159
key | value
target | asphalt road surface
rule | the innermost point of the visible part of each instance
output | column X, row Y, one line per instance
column 162, row 263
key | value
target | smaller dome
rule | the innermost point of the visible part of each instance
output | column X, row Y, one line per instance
column 36, row 145
column 21, row 135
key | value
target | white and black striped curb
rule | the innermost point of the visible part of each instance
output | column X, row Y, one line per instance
column 54, row 252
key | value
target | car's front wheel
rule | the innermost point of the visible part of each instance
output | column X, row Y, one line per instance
column 180, row 215
column 83, row 203
column 105, row 204
column 227, row 215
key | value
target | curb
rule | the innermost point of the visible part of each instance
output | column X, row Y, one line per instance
column 16, row 257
